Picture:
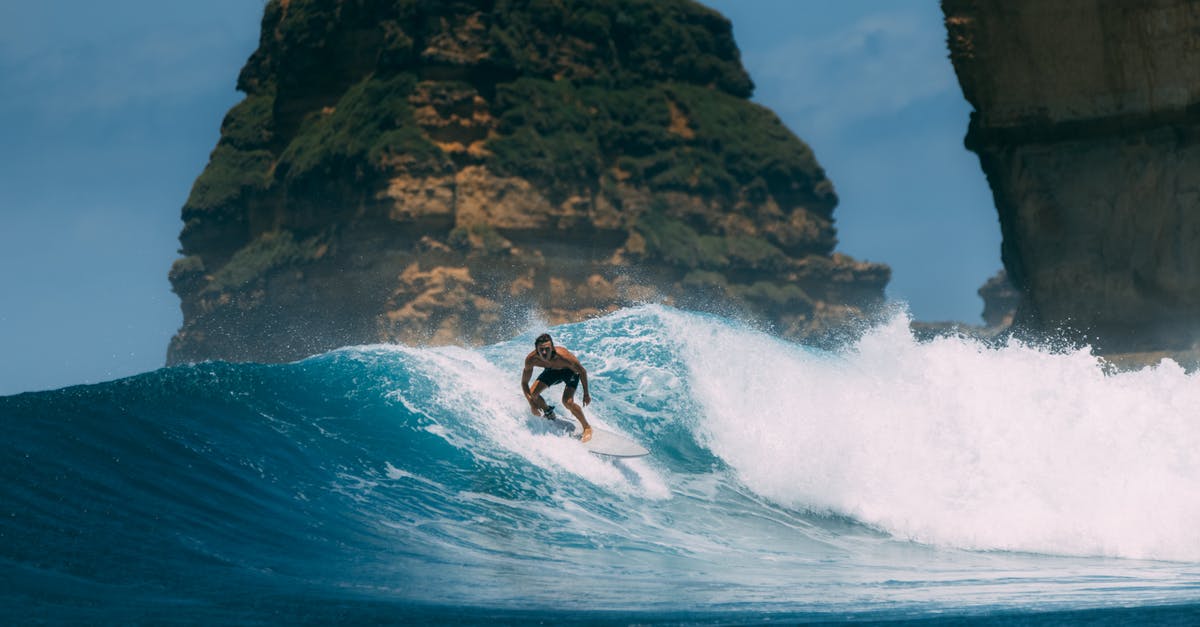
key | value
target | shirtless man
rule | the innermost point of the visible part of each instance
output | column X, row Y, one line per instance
column 560, row 367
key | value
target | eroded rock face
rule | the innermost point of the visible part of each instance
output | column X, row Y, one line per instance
column 1085, row 124
column 432, row 172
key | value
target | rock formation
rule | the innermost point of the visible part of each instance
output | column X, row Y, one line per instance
column 433, row 172
column 1000, row 301
column 1087, row 129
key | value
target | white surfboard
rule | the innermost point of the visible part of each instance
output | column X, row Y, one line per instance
column 612, row 444
column 603, row 442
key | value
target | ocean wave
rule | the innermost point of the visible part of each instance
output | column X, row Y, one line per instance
column 781, row 477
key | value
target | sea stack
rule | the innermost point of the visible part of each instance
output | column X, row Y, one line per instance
column 438, row 172
column 1087, row 125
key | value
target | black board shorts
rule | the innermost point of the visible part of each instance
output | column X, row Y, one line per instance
column 550, row 376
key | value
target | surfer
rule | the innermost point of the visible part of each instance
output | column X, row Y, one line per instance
column 560, row 366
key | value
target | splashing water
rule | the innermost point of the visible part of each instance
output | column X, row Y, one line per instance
column 891, row 478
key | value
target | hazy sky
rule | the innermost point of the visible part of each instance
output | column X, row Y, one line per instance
column 109, row 112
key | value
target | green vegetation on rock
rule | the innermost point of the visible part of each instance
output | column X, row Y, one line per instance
column 230, row 174
column 668, row 137
column 241, row 162
column 546, row 134
column 650, row 92
column 748, row 143
column 186, row 266
column 271, row 250
column 249, row 124
column 370, row 123
column 774, row 294
column 676, row 243
column 619, row 44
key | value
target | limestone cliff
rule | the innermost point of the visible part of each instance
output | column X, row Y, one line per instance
column 432, row 172
column 1086, row 126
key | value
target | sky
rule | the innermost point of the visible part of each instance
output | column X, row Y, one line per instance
column 110, row 110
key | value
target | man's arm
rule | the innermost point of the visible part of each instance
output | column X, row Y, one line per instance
column 587, row 396
column 525, row 376
column 577, row 366
column 582, row 375
column 533, row 404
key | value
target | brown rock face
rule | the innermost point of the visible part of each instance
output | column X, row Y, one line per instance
column 433, row 172
column 1086, row 126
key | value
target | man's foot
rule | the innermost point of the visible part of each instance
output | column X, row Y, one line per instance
column 549, row 413
column 587, row 434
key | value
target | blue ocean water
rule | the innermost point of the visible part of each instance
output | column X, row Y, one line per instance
column 890, row 480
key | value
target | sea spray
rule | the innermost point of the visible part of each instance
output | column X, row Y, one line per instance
column 888, row 479
column 954, row 443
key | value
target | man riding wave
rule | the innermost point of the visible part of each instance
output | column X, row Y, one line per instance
column 559, row 366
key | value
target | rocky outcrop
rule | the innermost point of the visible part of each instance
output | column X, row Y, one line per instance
column 1000, row 301
column 999, row 305
column 435, row 172
column 1086, row 126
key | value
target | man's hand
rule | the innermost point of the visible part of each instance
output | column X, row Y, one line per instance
column 587, row 398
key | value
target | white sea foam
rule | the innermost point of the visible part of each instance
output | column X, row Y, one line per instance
column 955, row 444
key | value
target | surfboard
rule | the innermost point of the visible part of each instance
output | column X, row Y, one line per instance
column 606, row 442
column 603, row 442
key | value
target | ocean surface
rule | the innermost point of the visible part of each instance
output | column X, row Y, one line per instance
column 889, row 480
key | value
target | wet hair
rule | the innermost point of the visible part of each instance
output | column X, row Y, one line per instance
column 545, row 337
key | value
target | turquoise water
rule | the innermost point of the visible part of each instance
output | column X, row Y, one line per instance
column 889, row 480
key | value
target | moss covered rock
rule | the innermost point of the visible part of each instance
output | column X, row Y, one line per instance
column 432, row 171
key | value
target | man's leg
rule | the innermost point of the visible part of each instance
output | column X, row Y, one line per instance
column 536, row 391
column 568, row 399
